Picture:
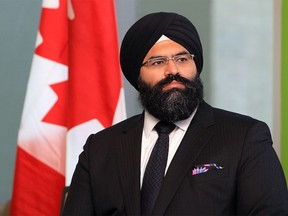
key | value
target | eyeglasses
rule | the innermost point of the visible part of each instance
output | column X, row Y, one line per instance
column 181, row 60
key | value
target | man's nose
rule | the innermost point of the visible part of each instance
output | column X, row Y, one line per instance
column 171, row 68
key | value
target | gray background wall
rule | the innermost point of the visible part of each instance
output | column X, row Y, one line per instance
column 18, row 26
column 218, row 23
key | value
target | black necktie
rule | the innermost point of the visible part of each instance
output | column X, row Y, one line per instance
column 155, row 169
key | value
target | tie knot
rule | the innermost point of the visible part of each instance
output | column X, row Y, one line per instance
column 163, row 127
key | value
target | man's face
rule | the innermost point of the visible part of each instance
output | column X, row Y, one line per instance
column 169, row 92
column 167, row 48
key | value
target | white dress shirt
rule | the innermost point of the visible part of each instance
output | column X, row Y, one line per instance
column 150, row 136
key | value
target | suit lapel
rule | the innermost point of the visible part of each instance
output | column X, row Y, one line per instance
column 129, row 154
column 195, row 139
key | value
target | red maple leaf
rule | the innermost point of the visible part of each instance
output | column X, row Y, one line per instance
column 57, row 114
column 54, row 30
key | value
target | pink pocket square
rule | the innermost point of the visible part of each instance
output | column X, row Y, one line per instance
column 202, row 168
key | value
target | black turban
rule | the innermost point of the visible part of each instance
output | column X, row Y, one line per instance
column 145, row 33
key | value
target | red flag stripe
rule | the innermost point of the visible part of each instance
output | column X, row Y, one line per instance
column 43, row 185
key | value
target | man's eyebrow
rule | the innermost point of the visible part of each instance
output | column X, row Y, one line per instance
column 153, row 57
column 182, row 52
column 159, row 56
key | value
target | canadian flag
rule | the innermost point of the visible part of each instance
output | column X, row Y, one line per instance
column 74, row 89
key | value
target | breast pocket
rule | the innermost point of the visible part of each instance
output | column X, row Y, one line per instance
column 211, row 175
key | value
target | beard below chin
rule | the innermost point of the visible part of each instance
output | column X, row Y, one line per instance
column 171, row 105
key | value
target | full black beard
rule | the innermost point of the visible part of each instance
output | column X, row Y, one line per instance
column 174, row 104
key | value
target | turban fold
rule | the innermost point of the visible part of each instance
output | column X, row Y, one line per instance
column 144, row 34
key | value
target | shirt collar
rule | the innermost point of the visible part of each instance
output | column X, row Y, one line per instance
column 150, row 121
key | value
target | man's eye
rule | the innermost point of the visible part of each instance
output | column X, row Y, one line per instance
column 157, row 62
column 181, row 59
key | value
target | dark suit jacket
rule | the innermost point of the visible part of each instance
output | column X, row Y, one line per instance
column 107, row 178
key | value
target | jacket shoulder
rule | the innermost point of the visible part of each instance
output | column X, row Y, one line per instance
column 221, row 114
column 115, row 131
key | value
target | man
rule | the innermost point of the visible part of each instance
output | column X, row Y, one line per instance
column 218, row 162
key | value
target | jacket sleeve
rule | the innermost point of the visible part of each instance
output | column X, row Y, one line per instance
column 261, row 187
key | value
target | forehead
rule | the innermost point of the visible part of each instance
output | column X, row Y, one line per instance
column 165, row 48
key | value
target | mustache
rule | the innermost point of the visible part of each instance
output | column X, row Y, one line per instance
column 177, row 77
